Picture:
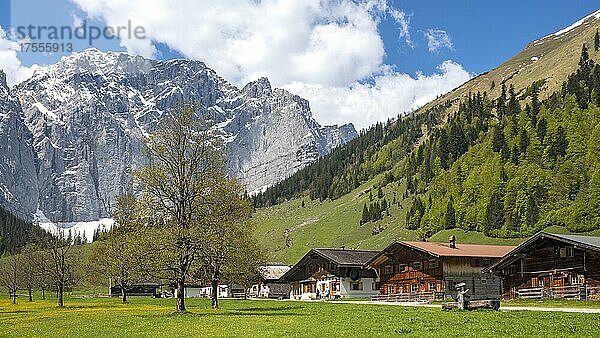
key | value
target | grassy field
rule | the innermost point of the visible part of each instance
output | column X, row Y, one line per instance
column 154, row 317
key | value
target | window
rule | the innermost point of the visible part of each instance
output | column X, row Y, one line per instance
column 570, row 251
column 431, row 286
column 388, row 269
column 335, row 287
column 401, row 267
column 413, row 288
column 567, row 251
column 486, row 262
column 356, row 286
column 483, row 281
column 433, row 264
column 416, row 265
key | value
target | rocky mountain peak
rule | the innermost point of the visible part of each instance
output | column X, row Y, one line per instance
column 3, row 84
column 89, row 112
column 258, row 88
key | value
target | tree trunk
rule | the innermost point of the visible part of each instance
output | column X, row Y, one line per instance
column 123, row 295
column 59, row 292
column 215, row 292
column 181, row 295
column 14, row 297
column 30, row 298
column 43, row 293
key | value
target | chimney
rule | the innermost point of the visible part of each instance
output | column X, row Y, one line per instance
column 452, row 241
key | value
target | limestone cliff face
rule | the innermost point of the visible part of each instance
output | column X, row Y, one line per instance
column 89, row 112
column 18, row 179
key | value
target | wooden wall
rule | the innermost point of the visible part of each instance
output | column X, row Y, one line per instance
column 543, row 265
column 400, row 274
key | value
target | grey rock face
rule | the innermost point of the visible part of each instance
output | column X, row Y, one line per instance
column 89, row 113
column 18, row 179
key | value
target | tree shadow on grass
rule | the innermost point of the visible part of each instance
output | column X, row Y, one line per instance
column 271, row 308
column 254, row 311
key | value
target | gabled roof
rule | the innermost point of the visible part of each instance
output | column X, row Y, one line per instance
column 444, row 250
column 341, row 257
column 583, row 242
column 271, row 272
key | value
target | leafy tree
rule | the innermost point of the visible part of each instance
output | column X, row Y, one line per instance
column 227, row 234
column 29, row 275
column 186, row 162
column 201, row 213
column 121, row 256
column 10, row 276
column 57, row 263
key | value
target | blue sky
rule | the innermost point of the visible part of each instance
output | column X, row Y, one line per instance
column 355, row 60
column 484, row 33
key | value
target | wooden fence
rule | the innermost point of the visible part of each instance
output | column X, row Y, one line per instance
column 409, row 297
column 579, row 292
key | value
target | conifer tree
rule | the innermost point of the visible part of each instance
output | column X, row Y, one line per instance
column 513, row 103
column 501, row 103
column 498, row 141
column 365, row 215
column 494, row 215
column 450, row 214
column 597, row 41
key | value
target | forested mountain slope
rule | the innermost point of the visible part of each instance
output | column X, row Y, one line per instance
column 506, row 154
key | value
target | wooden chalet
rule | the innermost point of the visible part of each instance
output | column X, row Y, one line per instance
column 338, row 273
column 551, row 266
column 411, row 271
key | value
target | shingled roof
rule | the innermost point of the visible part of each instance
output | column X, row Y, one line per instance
column 583, row 242
column 444, row 250
column 343, row 257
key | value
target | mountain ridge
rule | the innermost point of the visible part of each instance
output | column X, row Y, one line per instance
column 89, row 113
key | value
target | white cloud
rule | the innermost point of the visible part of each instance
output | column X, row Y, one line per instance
column 10, row 63
column 317, row 41
column 438, row 39
column 320, row 49
column 403, row 22
column 390, row 94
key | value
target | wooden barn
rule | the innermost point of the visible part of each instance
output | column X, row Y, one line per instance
column 332, row 273
column 410, row 271
column 551, row 266
column 269, row 284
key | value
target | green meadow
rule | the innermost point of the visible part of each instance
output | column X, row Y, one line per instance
column 143, row 317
